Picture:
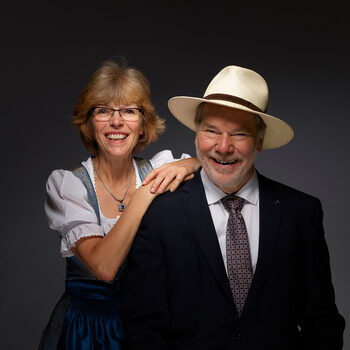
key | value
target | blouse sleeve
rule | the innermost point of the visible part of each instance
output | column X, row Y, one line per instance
column 165, row 156
column 68, row 210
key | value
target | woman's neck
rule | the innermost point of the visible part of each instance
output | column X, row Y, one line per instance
column 114, row 169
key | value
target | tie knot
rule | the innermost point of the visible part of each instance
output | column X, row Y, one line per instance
column 232, row 202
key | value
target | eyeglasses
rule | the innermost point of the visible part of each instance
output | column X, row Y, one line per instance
column 103, row 114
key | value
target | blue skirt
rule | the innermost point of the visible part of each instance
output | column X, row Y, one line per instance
column 86, row 317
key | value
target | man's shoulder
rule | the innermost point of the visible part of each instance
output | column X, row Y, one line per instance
column 170, row 200
column 182, row 191
column 284, row 190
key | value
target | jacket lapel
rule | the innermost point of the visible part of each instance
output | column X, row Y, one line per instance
column 196, row 208
column 270, row 217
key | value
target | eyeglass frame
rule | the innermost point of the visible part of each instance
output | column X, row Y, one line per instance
column 92, row 109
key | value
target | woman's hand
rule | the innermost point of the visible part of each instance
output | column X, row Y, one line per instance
column 170, row 175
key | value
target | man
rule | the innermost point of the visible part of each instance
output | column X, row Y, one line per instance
column 231, row 260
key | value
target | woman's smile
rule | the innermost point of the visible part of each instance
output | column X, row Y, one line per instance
column 116, row 136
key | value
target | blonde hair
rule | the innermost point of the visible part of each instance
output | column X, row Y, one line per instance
column 125, row 85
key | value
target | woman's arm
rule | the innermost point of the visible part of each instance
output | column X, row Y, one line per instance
column 103, row 256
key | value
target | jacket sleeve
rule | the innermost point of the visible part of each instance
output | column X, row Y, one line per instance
column 145, row 311
column 322, row 326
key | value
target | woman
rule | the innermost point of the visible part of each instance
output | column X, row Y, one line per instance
column 116, row 119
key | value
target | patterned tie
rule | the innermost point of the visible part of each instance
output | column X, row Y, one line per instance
column 239, row 264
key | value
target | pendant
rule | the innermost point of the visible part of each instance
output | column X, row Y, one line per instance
column 121, row 206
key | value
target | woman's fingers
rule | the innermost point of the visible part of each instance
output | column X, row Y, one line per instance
column 170, row 175
column 188, row 177
column 150, row 176
column 173, row 180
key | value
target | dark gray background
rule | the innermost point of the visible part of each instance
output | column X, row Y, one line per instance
column 48, row 53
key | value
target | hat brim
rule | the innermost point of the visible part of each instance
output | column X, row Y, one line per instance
column 278, row 132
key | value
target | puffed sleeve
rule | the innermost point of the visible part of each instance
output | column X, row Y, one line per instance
column 165, row 156
column 68, row 210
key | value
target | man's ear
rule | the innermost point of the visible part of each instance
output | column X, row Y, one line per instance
column 260, row 142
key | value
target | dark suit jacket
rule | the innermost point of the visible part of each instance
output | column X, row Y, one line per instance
column 177, row 295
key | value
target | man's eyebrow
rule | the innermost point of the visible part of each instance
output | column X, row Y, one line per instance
column 241, row 130
column 237, row 130
column 208, row 125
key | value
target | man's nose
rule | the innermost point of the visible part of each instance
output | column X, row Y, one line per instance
column 224, row 144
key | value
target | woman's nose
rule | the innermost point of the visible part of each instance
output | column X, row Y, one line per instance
column 116, row 119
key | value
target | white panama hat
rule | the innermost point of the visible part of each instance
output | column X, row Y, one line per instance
column 238, row 88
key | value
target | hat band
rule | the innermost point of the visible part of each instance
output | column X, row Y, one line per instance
column 234, row 99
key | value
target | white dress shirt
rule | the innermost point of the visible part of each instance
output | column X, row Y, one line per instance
column 250, row 213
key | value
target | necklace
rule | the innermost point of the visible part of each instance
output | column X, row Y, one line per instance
column 121, row 205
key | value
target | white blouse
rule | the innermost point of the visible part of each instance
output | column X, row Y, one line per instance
column 68, row 210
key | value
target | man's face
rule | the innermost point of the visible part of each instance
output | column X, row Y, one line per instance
column 227, row 143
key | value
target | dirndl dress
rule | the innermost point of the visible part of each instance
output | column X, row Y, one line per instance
column 88, row 314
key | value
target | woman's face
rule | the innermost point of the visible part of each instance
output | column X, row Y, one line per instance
column 117, row 137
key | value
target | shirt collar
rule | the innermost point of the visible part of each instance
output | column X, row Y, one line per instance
column 250, row 191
